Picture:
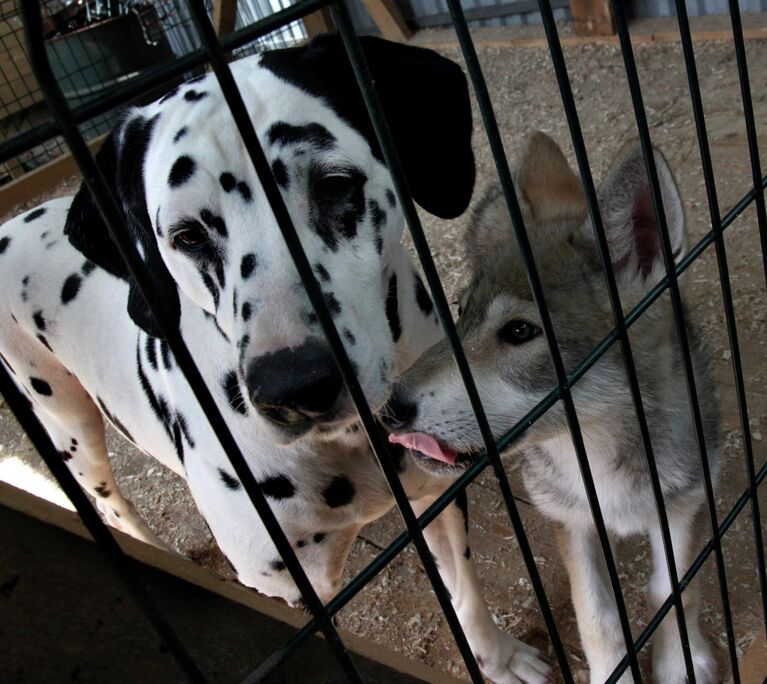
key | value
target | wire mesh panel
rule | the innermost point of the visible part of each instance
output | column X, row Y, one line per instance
column 83, row 81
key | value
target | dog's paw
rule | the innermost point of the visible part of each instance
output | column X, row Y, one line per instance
column 511, row 661
column 668, row 665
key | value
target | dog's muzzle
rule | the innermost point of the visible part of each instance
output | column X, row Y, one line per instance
column 294, row 386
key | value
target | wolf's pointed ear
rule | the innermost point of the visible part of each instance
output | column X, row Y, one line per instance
column 625, row 201
column 424, row 97
column 121, row 159
column 547, row 183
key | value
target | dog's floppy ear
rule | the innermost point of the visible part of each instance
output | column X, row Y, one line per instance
column 547, row 183
column 628, row 215
column 121, row 159
column 425, row 100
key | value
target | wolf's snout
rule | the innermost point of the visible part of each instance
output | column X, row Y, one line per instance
column 293, row 385
column 399, row 412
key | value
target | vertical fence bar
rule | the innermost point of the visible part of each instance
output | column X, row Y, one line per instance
column 343, row 21
column 761, row 213
column 576, row 135
column 124, row 566
column 732, row 332
column 253, row 147
column 107, row 206
column 502, row 167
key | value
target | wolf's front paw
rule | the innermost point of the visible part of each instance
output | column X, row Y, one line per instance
column 510, row 661
column 668, row 661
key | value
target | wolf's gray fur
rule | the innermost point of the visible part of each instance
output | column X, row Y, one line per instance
column 513, row 376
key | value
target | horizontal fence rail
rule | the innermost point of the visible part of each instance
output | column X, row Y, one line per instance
column 213, row 51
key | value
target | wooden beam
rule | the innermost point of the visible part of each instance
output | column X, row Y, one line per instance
column 224, row 16
column 753, row 666
column 388, row 18
column 41, row 509
column 593, row 17
column 42, row 179
column 318, row 22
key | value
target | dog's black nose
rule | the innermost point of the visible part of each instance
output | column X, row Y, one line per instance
column 290, row 386
column 398, row 412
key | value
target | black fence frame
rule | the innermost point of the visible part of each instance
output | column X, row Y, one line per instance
column 66, row 122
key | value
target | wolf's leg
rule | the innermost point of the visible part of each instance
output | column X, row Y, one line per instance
column 668, row 662
column 598, row 622
column 503, row 659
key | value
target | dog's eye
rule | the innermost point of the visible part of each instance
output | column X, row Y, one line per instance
column 335, row 185
column 190, row 236
column 517, row 331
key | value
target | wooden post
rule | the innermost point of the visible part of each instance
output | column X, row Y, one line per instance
column 318, row 22
column 593, row 17
column 224, row 16
column 388, row 18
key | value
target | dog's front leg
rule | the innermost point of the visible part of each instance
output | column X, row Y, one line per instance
column 502, row 658
column 595, row 609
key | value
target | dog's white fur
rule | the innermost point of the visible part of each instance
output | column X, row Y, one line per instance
column 77, row 354
column 515, row 373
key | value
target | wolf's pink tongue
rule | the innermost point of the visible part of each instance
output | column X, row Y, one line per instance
column 426, row 444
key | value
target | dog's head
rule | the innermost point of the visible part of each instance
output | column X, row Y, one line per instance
column 203, row 225
column 500, row 326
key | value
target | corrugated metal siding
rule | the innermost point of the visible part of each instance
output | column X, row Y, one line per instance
column 695, row 8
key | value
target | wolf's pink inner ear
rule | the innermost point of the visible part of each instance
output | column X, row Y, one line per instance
column 547, row 183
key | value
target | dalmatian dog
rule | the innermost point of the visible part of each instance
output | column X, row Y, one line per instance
column 81, row 343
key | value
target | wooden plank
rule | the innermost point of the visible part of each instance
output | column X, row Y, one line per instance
column 593, row 17
column 40, row 180
column 40, row 509
column 318, row 22
column 224, row 16
column 753, row 666
column 388, row 18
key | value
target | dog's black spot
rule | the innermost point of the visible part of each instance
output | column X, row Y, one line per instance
column 25, row 280
column 39, row 320
column 277, row 487
column 89, row 267
column 339, row 492
column 212, row 288
column 280, row 174
column 467, row 553
column 230, row 481
column 44, row 342
column 51, row 244
column 301, row 543
column 193, row 95
column 215, row 222
column 218, row 269
column 332, row 303
column 277, row 565
column 102, row 490
column 44, row 235
column 34, row 214
column 158, row 405
column 319, row 537
column 244, row 189
column 231, row 386
column 73, row 449
column 462, row 501
column 184, row 425
column 248, row 265
column 247, row 310
column 181, row 171
column 313, row 134
column 228, row 181
column 350, row 336
column 4, row 242
column 151, row 351
column 322, row 272
column 74, row 441
column 71, row 288
column 234, row 303
column 422, row 297
column 165, row 354
column 377, row 215
column 41, row 387
column 392, row 309
column 180, row 133
column 65, row 455
column 390, row 198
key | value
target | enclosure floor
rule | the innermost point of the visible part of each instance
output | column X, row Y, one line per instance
column 398, row 609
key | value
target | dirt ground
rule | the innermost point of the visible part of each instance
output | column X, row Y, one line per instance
column 398, row 609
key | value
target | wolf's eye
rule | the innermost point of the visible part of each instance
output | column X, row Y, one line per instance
column 190, row 236
column 517, row 331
